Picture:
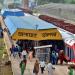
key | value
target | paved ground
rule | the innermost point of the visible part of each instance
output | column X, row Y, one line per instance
column 60, row 70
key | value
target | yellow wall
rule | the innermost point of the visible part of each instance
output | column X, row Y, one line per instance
column 50, row 34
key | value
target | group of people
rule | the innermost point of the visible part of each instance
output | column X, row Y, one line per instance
column 17, row 50
column 55, row 56
column 44, row 66
column 14, row 50
column 24, row 54
column 37, row 66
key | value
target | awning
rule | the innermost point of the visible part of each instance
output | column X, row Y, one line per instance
column 68, row 38
column 70, row 41
column 31, row 28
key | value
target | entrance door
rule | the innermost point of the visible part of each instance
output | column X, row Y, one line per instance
column 43, row 53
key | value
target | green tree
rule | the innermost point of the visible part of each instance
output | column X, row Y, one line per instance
column 73, row 2
column 40, row 2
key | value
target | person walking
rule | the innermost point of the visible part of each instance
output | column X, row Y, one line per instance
column 12, row 50
column 19, row 51
column 30, row 55
column 42, row 66
column 53, row 61
column 24, row 54
column 23, row 66
column 33, row 52
column 57, row 58
column 50, row 68
column 36, row 67
column 61, row 56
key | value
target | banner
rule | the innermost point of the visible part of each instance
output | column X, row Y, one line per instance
column 50, row 34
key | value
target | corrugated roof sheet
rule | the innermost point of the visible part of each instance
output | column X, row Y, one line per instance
column 26, row 22
column 12, row 28
column 59, row 23
column 12, row 12
column 67, row 37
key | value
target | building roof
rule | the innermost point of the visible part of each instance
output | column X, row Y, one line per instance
column 12, row 12
column 68, row 38
column 59, row 23
column 26, row 22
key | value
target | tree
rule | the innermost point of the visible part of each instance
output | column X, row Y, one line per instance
column 73, row 2
column 41, row 2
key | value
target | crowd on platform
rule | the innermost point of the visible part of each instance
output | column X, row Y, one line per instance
column 25, row 54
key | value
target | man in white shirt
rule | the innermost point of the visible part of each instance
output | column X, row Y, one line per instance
column 42, row 66
column 24, row 53
column 50, row 68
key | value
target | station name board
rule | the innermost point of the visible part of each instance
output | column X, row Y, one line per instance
column 24, row 34
column 37, row 34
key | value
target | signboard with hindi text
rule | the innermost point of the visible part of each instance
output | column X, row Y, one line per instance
column 49, row 34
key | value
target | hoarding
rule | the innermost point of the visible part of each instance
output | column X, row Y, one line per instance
column 49, row 34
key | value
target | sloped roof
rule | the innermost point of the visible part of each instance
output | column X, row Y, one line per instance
column 26, row 22
column 59, row 23
column 12, row 12
column 70, row 41
column 68, row 38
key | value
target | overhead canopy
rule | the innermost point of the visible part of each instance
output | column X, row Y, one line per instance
column 32, row 28
column 12, row 12
column 59, row 23
column 69, row 39
column 45, row 46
